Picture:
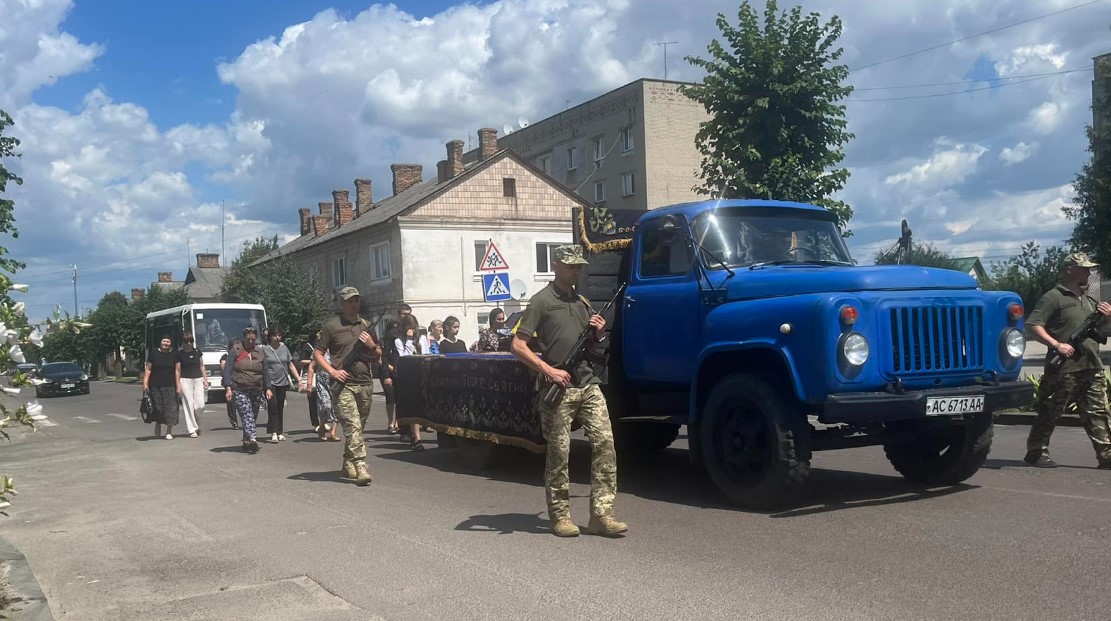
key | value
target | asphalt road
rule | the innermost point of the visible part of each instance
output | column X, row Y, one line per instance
column 119, row 525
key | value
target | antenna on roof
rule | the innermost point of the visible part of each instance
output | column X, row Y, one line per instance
column 507, row 129
column 522, row 122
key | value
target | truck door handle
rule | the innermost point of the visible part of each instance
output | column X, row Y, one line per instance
column 630, row 299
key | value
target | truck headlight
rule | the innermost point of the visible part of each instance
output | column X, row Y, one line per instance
column 1014, row 343
column 854, row 347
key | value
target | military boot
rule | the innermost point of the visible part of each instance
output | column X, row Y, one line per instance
column 1039, row 460
column 564, row 527
column 362, row 474
column 348, row 470
column 606, row 526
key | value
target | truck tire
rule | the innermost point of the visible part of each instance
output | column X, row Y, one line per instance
column 940, row 454
column 749, row 446
column 642, row 437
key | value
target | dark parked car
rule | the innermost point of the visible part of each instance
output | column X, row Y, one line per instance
column 25, row 368
column 61, row 378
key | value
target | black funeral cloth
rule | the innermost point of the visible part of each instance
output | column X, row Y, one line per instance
column 481, row 396
column 604, row 229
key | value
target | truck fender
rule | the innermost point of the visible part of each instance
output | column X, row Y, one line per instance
column 764, row 357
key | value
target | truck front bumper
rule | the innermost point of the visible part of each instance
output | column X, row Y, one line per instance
column 874, row 407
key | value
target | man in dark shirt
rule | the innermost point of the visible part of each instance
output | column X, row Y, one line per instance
column 557, row 316
column 339, row 336
column 1080, row 380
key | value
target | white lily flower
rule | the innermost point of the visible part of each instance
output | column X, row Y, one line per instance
column 16, row 354
column 21, row 288
column 10, row 390
column 35, row 337
column 11, row 336
column 19, row 308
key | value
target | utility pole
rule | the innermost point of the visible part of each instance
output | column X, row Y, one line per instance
column 223, row 258
column 664, row 45
column 75, row 291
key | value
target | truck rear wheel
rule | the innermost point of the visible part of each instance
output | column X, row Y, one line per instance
column 642, row 437
column 749, row 446
column 935, row 453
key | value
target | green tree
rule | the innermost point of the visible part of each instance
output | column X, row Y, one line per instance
column 292, row 298
column 66, row 345
column 8, row 146
column 776, row 130
column 132, row 335
column 923, row 254
column 239, row 285
column 110, row 321
column 1030, row 274
column 1091, row 209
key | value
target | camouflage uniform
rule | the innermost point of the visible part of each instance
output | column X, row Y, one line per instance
column 1079, row 380
column 557, row 319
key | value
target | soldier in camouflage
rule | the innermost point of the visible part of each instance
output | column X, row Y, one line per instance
column 1059, row 313
column 557, row 316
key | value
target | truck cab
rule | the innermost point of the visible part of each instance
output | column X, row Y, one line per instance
column 749, row 322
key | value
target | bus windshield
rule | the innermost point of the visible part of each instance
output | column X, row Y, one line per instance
column 213, row 328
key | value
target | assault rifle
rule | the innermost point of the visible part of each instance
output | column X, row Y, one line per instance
column 554, row 393
column 1087, row 330
column 348, row 363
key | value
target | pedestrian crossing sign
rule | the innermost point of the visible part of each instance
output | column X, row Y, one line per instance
column 495, row 287
column 493, row 260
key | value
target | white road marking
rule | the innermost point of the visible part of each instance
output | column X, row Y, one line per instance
column 123, row 416
column 46, row 423
column 86, row 419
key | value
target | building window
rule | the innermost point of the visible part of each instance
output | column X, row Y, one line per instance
column 479, row 252
column 627, row 140
column 339, row 273
column 546, row 165
column 627, row 184
column 509, row 187
column 484, row 318
column 380, row 261
column 312, row 272
column 544, row 252
column 599, row 151
column 599, row 191
column 571, row 158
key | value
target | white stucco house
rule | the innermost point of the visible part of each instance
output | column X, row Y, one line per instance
column 422, row 245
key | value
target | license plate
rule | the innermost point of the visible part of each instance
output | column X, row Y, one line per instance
column 943, row 406
column 67, row 385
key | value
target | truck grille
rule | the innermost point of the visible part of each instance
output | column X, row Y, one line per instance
column 936, row 338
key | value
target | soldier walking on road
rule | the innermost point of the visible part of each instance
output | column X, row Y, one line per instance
column 1057, row 315
column 338, row 338
column 558, row 315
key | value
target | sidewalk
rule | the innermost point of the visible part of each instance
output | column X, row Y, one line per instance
column 28, row 601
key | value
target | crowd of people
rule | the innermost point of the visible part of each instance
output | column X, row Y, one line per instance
column 336, row 370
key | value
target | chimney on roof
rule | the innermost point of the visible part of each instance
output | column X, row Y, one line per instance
column 487, row 142
column 137, row 294
column 441, row 171
column 364, row 198
column 306, row 222
column 325, row 209
column 165, row 276
column 405, row 176
column 454, row 158
column 341, row 207
column 207, row 259
column 320, row 224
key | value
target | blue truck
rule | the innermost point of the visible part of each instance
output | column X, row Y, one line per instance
column 749, row 322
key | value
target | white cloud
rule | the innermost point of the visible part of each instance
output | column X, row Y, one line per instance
column 1029, row 59
column 34, row 52
column 944, row 168
column 1018, row 153
column 956, row 228
column 1047, row 117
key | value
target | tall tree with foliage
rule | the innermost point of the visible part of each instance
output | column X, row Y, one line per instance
column 239, row 285
column 922, row 254
column 1091, row 209
column 1030, row 274
column 110, row 321
column 292, row 298
column 131, row 332
column 776, row 130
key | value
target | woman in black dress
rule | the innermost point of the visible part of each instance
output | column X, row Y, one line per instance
column 162, row 381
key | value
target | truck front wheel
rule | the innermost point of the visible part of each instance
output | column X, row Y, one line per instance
column 939, row 453
column 749, row 446
column 643, row 437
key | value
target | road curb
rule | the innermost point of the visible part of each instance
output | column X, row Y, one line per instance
column 29, row 601
column 1028, row 418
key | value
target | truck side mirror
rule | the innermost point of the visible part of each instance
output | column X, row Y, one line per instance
column 669, row 230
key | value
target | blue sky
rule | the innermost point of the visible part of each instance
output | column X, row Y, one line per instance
column 139, row 118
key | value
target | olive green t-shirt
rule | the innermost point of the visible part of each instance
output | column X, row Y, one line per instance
column 338, row 337
column 1061, row 312
column 558, row 320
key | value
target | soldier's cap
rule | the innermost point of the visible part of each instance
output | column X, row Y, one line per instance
column 347, row 293
column 1079, row 259
column 570, row 254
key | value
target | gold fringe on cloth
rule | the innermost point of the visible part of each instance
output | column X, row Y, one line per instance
column 595, row 248
column 486, row 436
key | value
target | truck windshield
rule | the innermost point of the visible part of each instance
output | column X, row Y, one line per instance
column 213, row 328
column 743, row 237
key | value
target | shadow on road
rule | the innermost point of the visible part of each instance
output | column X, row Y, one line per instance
column 328, row 476
column 999, row 464
column 506, row 524
column 669, row 476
